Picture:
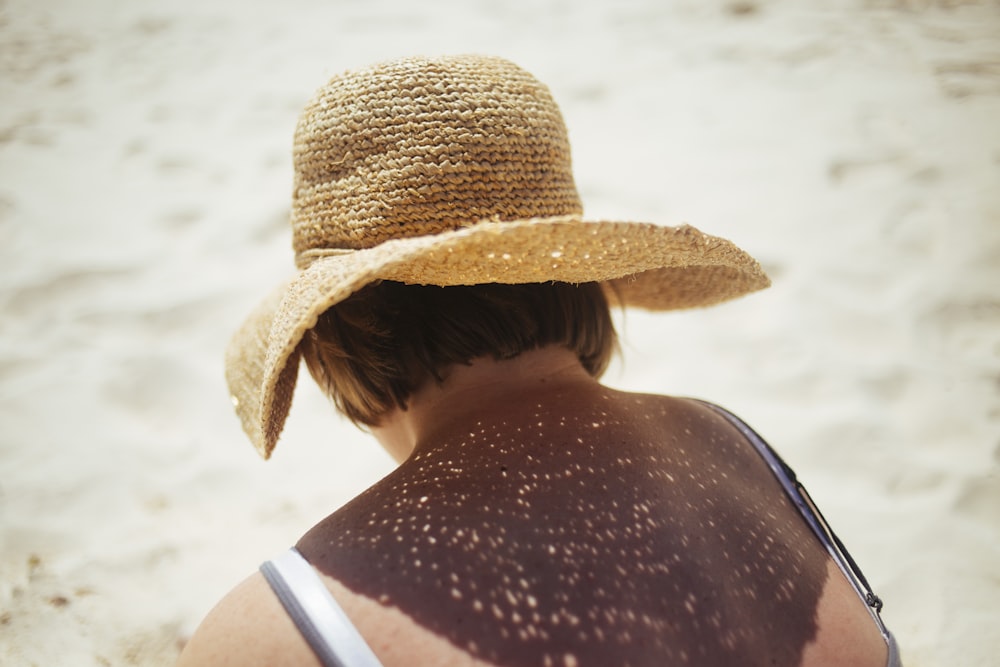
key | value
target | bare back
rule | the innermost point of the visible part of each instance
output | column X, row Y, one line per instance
column 588, row 527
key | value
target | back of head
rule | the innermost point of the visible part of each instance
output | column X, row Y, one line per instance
column 373, row 350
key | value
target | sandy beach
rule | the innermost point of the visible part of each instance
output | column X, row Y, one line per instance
column 145, row 172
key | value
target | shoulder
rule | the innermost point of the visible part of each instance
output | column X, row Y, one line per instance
column 248, row 627
column 672, row 413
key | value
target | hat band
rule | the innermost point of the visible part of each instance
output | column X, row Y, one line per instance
column 307, row 257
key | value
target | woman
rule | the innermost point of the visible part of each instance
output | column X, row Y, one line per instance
column 452, row 300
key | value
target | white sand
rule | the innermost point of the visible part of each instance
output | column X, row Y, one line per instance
column 144, row 175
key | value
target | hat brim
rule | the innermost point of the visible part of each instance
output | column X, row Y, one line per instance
column 648, row 266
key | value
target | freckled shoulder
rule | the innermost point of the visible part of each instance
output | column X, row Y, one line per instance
column 249, row 628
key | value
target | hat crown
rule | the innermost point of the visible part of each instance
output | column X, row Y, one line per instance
column 420, row 146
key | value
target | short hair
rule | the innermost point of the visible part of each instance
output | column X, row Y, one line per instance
column 370, row 352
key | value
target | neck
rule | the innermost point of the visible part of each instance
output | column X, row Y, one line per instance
column 470, row 391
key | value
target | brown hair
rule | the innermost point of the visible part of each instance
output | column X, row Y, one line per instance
column 370, row 352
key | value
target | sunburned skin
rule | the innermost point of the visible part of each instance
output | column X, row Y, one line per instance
column 569, row 524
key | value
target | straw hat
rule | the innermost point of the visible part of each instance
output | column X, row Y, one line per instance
column 449, row 171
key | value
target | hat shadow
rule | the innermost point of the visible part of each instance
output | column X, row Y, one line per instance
column 556, row 540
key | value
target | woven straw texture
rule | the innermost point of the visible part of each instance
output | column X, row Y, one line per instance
column 418, row 147
column 449, row 171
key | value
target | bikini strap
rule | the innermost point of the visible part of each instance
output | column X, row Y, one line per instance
column 322, row 622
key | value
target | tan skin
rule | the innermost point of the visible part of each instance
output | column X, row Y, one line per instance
column 540, row 518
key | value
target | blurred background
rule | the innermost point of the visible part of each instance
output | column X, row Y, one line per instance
column 853, row 146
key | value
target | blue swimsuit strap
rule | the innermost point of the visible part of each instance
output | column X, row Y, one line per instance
column 797, row 493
